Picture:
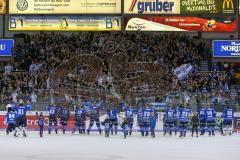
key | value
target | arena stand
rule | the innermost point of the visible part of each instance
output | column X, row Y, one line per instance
column 112, row 66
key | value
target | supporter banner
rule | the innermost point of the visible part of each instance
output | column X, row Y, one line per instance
column 188, row 7
column 183, row 71
column 208, row 6
column 152, row 6
column 65, row 23
column 178, row 23
column 6, row 46
column 226, row 48
column 2, row 6
column 64, row 6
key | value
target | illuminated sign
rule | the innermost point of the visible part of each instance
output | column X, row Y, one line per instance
column 208, row 6
column 226, row 48
column 2, row 6
column 64, row 6
column 6, row 46
column 187, row 7
column 65, row 23
column 180, row 23
column 152, row 6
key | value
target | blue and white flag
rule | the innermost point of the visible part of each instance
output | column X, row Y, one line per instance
column 183, row 71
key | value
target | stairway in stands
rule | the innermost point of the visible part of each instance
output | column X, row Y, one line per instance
column 233, row 91
column 204, row 68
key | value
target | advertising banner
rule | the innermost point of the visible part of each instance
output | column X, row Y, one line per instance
column 152, row 6
column 65, row 23
column 226, row 48
column 6, row 46
column 2, row 6
column 64, row 6
column 32, row 122
column 208, row 6
column 237, row 123
column 178, row 23
column 187, row 7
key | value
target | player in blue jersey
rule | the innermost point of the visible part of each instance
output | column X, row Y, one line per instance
column 94, row 117
column 169, row 121
column 106, row 123
column 146, row 120
column 140, row 120
column 80, row 118
column 177, row 112
column 210, row 119
column 53, row 122
column 113, row 117
column 21, row 120
column 184, row 120
column 202, row 120
column 40, row 123
column 64, row 115
column 227, row 116
column 10, row 120
column 129, row 114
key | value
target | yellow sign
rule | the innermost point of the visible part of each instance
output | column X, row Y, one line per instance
column 65, row 23
column 228, row 4
column 2, row 6
column 152, row 6
column 65, row 6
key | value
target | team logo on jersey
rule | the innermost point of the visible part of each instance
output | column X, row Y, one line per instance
column 22, row 5
column 228, row 6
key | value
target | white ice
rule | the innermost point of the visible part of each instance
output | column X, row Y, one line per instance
column 96, row 147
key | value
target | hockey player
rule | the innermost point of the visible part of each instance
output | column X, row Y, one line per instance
column 106, row 124
column 227, row 116
column 140, row 120
column 177, row 112
column 10, row 120
column 21, row 120
column 146, row 120
column 40, row 123
column 80, row 118
column 64, row 115
column 169, row 121
column 202, row 119
column 210, row 119
column 124, row 126
column 94, row 117
column 113, row 117
column 52, row 111
column 129, row 114
column 184, row 120
column 153, row 121
column 195, row 123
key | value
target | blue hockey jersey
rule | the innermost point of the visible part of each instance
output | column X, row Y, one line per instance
column 22, row 110
column 211, row 114
column 113, row 114
column 185, row 115
column 11, row 117
column 228, row 114
column 52, row 110
column 202, row 114
column 169, row 115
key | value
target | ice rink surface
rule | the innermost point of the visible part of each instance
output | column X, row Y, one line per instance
column 96, row 147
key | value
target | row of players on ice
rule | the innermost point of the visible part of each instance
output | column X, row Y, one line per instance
column 175, row 119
